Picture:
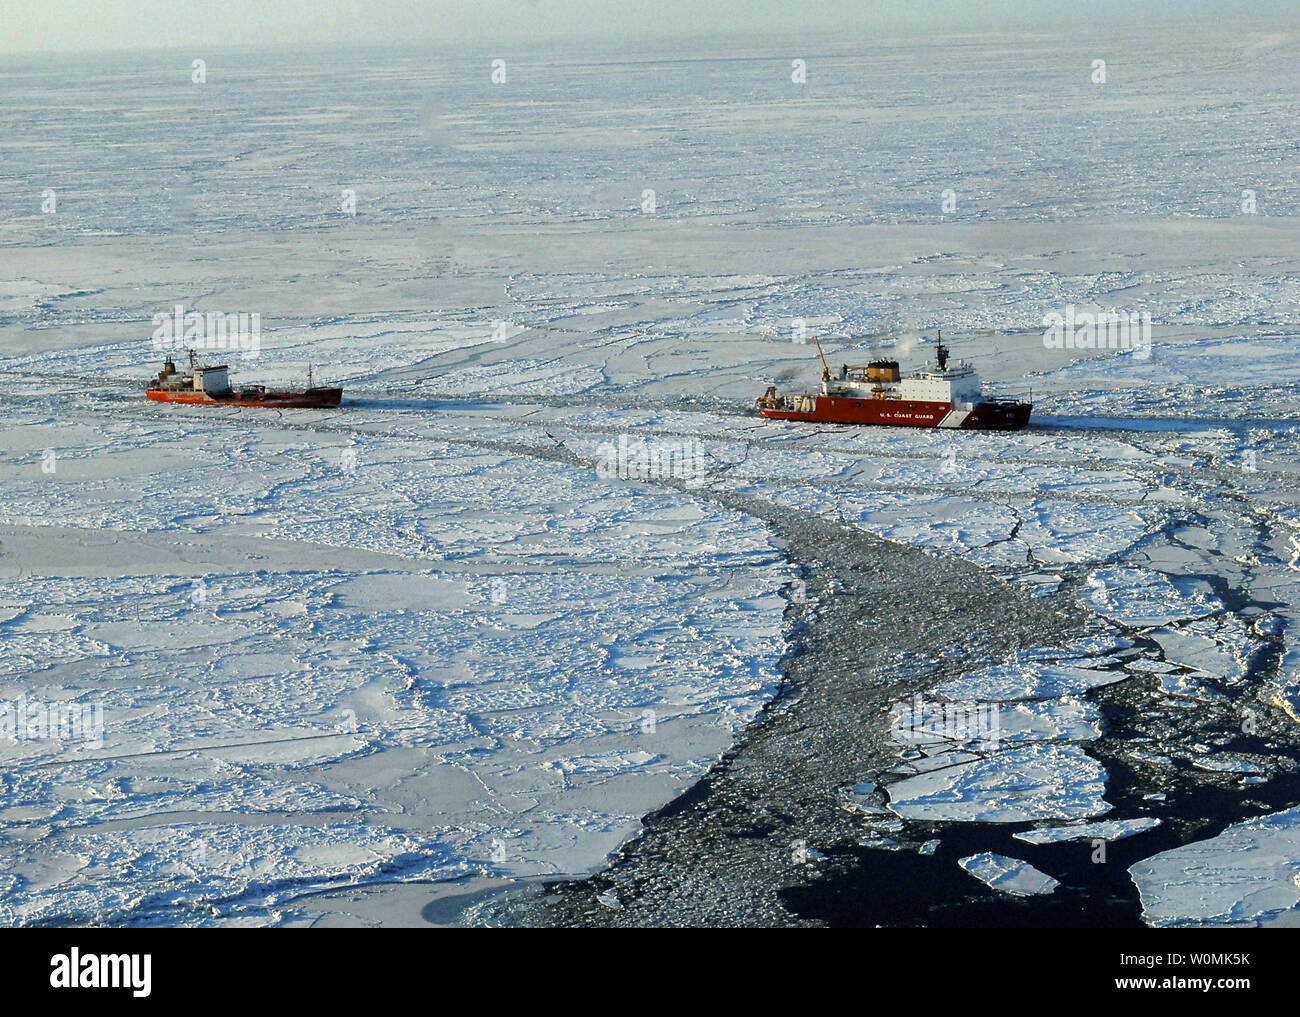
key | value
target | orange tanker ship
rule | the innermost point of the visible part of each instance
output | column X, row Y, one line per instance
column 210, row 386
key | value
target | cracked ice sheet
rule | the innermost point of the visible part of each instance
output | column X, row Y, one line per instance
column 1064, row 719
column 206, row 871
column 1184, row 373
column 478, row 680
column 1141, row 598
column 524, row 377
column 921, row 488
column 1026, row 679
column 1246, row 876
column 1215, row 646
column 996, row 514
column 1037, row 781
column 1012, row 502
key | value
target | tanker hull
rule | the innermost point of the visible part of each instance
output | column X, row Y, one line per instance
column 318, row 398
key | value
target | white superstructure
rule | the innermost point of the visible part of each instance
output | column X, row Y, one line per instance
column 958, row 385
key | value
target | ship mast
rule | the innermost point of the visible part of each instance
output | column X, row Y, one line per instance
column 826, row 371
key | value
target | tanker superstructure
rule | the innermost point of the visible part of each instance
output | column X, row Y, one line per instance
column 945, row 396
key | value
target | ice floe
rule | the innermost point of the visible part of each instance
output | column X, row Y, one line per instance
column 1247, row 875
column 1036, row 781
column 1107, row 829
column 1008, row 875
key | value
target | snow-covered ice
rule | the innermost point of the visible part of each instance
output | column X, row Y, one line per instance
column 1037, row 781
column 1008, row 875
column 1107, row 829
column 1247, row 875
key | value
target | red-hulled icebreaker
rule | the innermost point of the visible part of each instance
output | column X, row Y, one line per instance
column 876, row 394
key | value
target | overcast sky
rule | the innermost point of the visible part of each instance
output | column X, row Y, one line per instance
column 69, row 25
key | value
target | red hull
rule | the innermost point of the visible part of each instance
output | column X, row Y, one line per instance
column 315, row 398
column 991, row 415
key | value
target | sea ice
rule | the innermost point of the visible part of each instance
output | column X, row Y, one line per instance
column 1107, row 829
column 1036, row 781
column 1008, row 875
column 1247, row 875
